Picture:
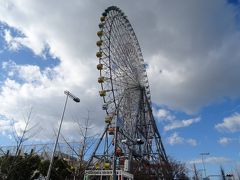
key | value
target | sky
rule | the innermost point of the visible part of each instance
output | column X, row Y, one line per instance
column 191, row 51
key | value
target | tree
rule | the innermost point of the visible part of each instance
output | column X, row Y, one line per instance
column 15, row 159
column 20, row 138
column 60, row 169
column 24, row 167
column 32, row 166
column 222, row 173
column 175, row 170
column 86, row 142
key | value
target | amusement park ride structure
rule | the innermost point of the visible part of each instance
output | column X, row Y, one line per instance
column 130, row 145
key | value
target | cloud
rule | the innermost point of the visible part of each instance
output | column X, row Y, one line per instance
column 224, row 140
column 5, row 125
column 163, row 114
column 176, row 139
column 186, row 50
column 192, row 142
column 211, row 160
column 230, row 124
column 29, row 85
column 12, row 43
column 43, row 90
column 180, row 124
column 29, row 73
column 190, row 58
column 170, row 121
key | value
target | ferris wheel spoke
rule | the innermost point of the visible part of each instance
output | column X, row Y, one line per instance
column 122, row 61
column 122, row 36
column 119, row 66
column 123, row 72
column 120, row 48
column 123, row 51
column 123, row 75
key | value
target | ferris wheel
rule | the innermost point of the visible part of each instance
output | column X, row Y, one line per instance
column 131, row 136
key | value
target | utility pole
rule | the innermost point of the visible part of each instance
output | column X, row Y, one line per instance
column 195, row 172
column 204, row 168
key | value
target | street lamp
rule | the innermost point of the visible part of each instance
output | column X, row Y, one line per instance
column 77, row 100
column 204, row 154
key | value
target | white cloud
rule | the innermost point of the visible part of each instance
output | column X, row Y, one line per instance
column 230, row 124
column 211, row 160
column 192, row 142
column 5, row 125
column 176, row 139
column 180, row 124
column 170, row 121
column 12, row 43
column 224, row 140
column 43, row 90
column 29, row 73
column 163, row 114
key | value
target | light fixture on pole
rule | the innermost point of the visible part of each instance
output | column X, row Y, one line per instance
column 204, row 154
column 77, row 100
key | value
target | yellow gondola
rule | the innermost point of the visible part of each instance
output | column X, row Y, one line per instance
column 101, row 79
column 102, row 18
column 108, row 119
column 100, row 66
column 102, row 93
column 106, row 165
column 99, row 54
column 99, row 43
column 100, row 33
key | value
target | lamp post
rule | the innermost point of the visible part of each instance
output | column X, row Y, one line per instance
column 115, row 148
column 204, row 168
column 77, row 100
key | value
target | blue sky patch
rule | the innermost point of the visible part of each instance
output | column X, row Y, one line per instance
column 24, row 55
column 234, row 2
